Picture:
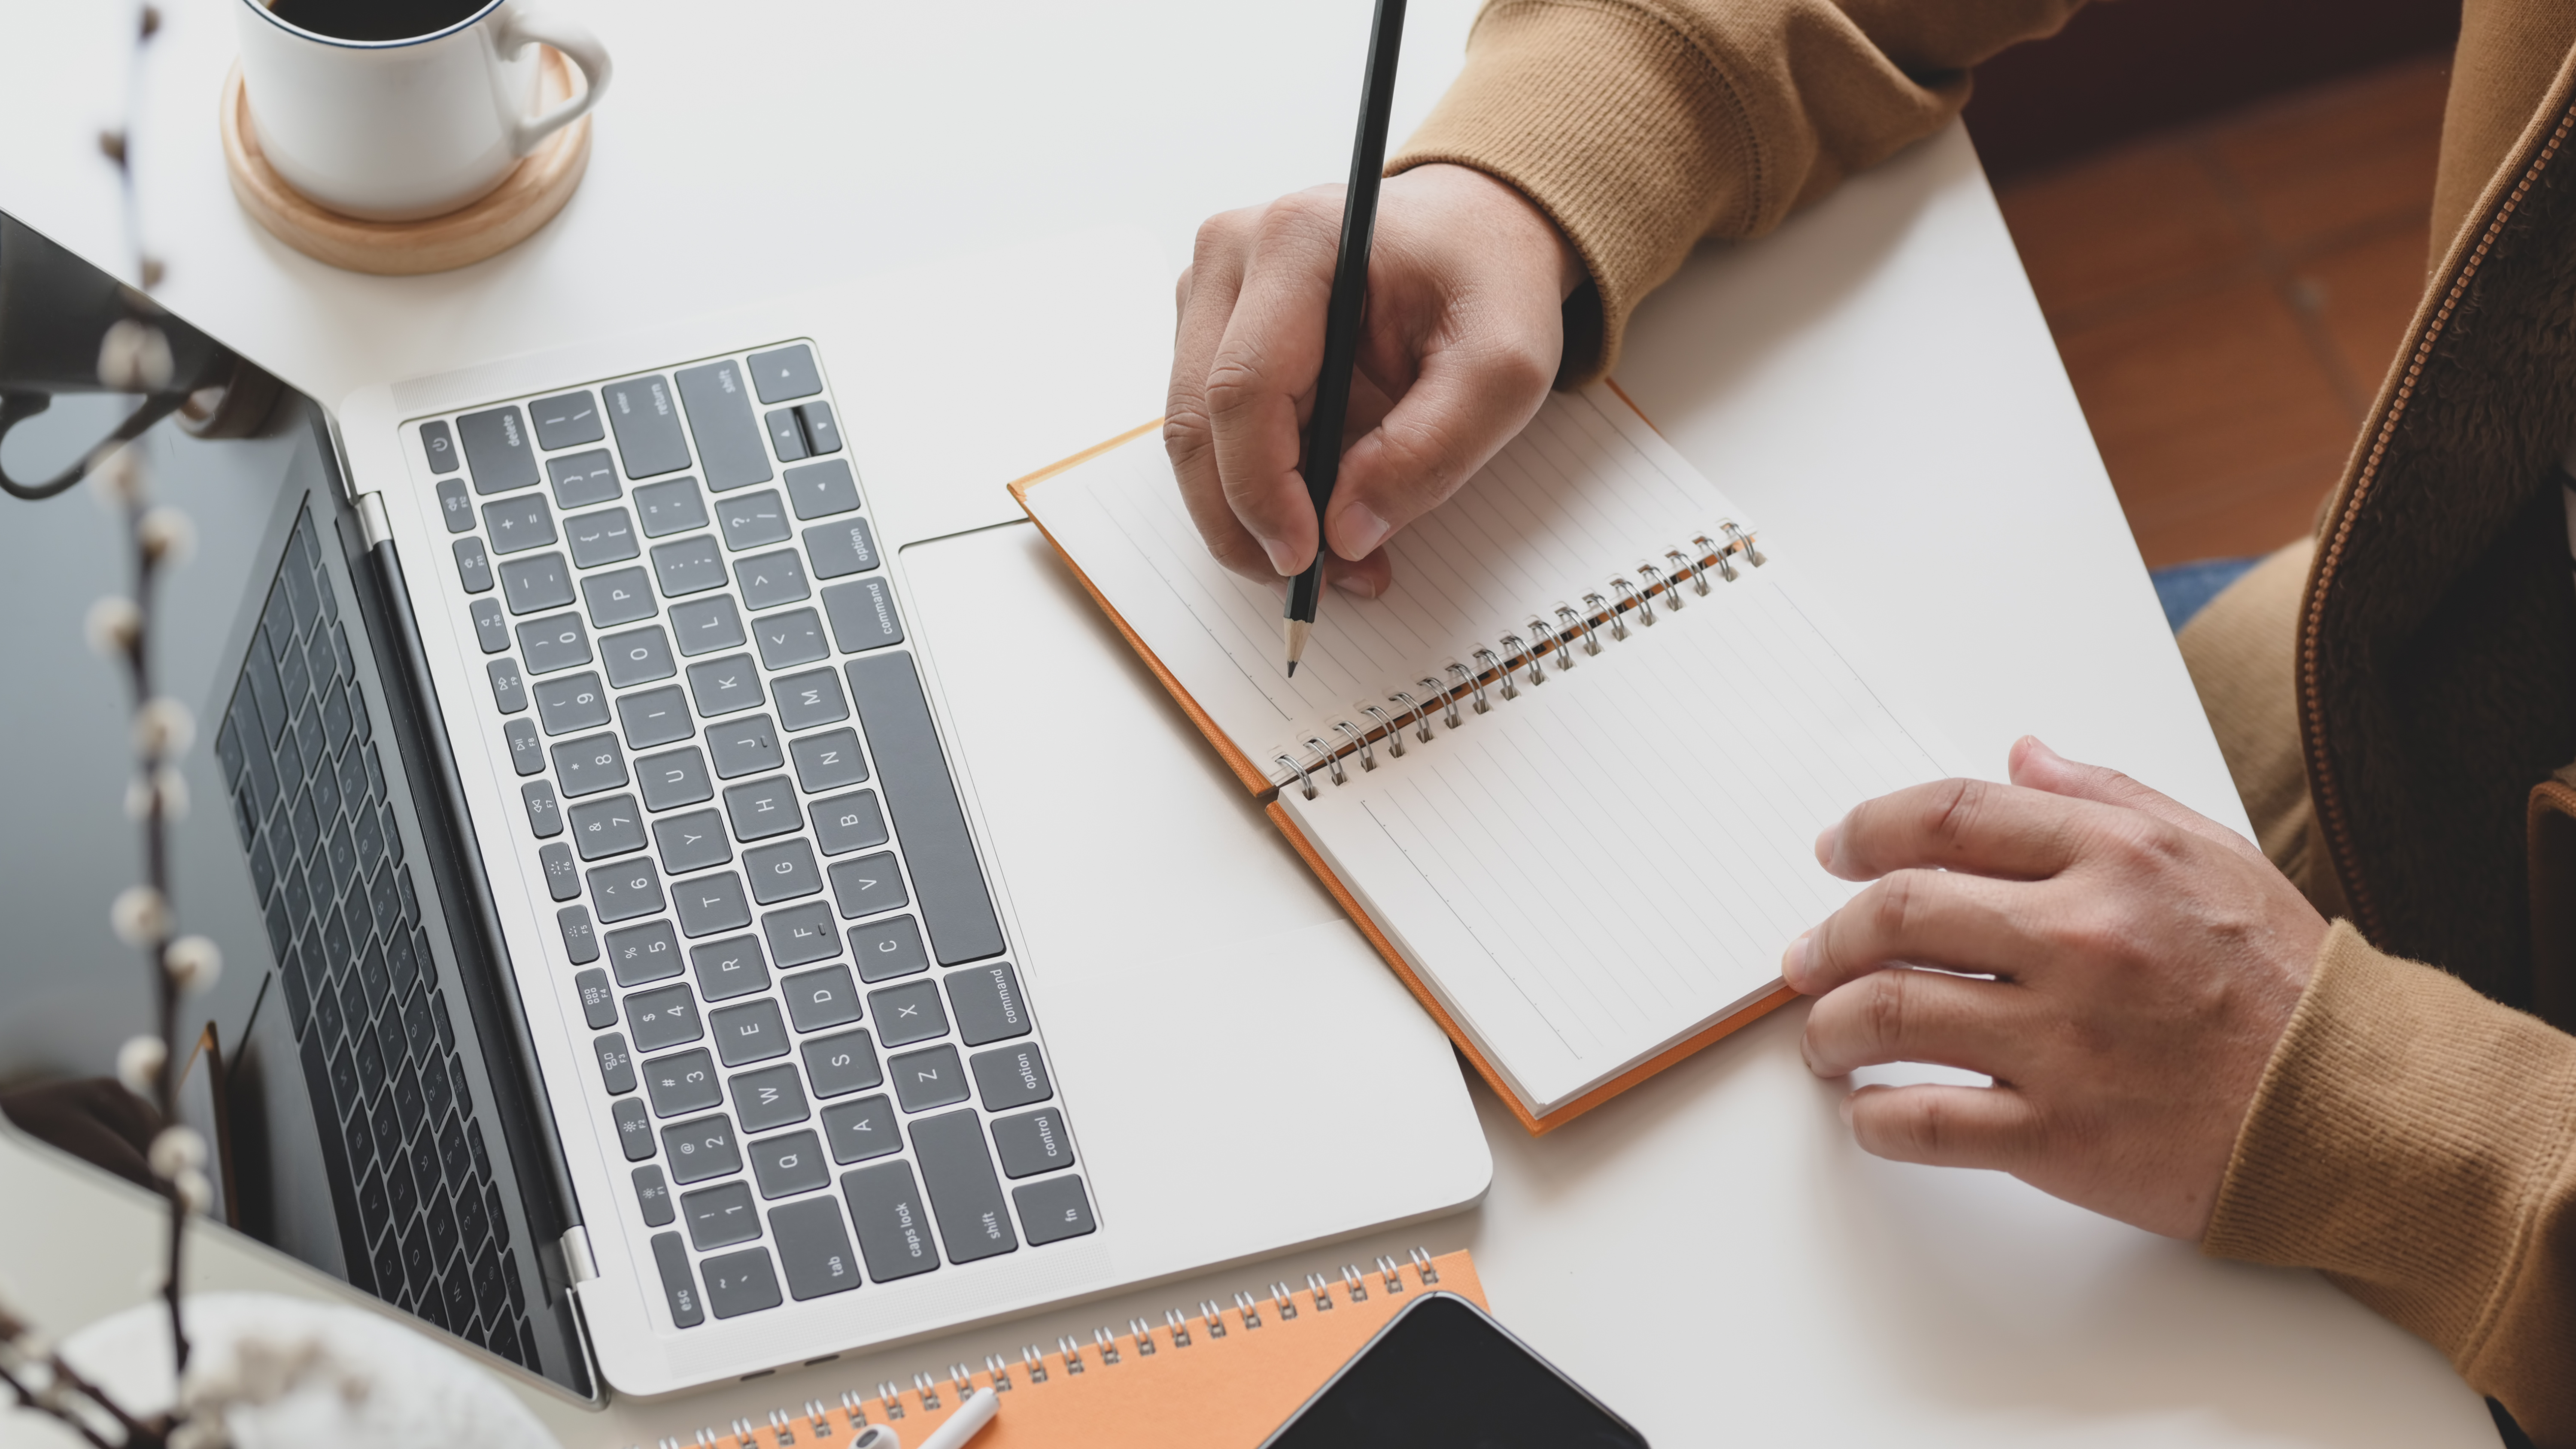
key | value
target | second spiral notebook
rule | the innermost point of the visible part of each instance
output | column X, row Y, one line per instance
column 1567, row 772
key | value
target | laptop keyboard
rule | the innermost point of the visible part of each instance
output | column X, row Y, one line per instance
column 378, row 1049
column 809, row 1038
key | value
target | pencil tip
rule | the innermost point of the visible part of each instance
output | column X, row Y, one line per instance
column 1292, row 669
column 1298, row 630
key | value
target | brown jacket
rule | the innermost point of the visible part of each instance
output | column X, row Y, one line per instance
column 2388, row 697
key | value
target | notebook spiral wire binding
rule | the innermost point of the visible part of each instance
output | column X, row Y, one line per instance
column 1499, row 669
column 828, row 1425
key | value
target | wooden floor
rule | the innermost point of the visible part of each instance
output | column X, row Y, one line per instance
column 2228, row 297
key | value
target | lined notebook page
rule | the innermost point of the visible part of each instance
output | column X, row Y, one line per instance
column 1586, row 491
column 1615, row 859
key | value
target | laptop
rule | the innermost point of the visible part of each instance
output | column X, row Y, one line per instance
column 702, row 891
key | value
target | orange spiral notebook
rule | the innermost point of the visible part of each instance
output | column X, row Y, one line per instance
column 1566, row 773
column 1223, row 1377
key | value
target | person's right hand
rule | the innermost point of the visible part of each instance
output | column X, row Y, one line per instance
column 1464, row 331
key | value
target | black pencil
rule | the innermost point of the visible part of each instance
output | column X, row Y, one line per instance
column 1323, row 454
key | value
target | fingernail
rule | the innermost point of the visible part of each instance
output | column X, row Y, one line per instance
column 1845, row 1108
column 1362, row 531
column 1359, row 585
column 1284, row 562
column 1825, row 843
column 1793, row 964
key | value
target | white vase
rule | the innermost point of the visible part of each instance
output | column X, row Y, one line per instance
column 411, row 1391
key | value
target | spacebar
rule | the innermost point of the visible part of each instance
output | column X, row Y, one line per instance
column 946, row 878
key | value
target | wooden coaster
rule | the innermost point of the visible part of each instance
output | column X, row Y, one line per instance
column 525, row 200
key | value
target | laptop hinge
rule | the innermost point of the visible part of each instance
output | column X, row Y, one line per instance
column 579, row 1266
column 372, row 523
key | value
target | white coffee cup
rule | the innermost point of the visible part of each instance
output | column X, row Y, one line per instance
column 393, row 130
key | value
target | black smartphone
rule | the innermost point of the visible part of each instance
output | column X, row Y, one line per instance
column 1443, row 1375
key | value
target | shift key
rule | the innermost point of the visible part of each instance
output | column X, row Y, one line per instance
column 964, row 1195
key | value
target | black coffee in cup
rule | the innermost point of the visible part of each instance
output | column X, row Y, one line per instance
column 373, row 20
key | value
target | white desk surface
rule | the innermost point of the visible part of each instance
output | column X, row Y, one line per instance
column 1710, row 1253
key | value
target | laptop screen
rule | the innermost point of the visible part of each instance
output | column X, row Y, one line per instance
column 355, row 1070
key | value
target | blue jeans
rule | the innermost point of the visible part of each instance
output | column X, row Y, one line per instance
column 2185, row 588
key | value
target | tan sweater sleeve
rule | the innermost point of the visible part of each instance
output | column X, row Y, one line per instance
column 2417, row 1142
column 1643, row 126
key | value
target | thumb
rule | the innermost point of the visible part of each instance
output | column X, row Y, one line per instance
column 2035, row 766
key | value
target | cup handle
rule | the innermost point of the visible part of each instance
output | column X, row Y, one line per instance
column 521, row 29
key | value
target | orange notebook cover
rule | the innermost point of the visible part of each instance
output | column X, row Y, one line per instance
column 1224, row 1377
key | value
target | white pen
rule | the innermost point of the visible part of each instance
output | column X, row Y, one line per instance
column 965, row 1424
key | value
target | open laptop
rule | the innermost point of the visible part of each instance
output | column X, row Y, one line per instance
column 702, row 890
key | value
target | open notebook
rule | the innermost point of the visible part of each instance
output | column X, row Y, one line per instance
column 1567, row 773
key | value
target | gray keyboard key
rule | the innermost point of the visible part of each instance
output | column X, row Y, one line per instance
column 653, row 1197
column 1011, row 1076
column 820, row 428
column 455, row 507
column 754, row 520
column 555, row 642
column 542, row 582
column 893, row 1223
column 588, row 765
column 931, row 1077
column 545, row 813
column 782, row 872
column 973, row 1221
column 602, row 828
column 679, row 1287
column 509, row 692
column 762, row 808
column 909, row 1013
column 674, row 779
column 817, row 999
column 654, row 717
column 619, row 597
column 1031, row 1143
column 786, row 435
column 842, row 1064
column 567, row 421
column 863, row 615
column 985, row 1000
column 819, row 490
column 729, row 968
column 690, row 842
column 791, row 638
column 473, row 566
column 583, row 478
column 848, row 822
column 491, row 630
column 828, row 761
column 801, row 934
column 771, row 579
column 838, row 550
column 723, row 686
column 739, row 1283
column 616, row 1068
column 870, row 884
column 743, row 746
column 516, row 525
column 711, row 903
column 527, row 752
column 496, row 449
column 706, row 626
column 438, row 446
column 720, row 1216
column 605, row 537
column 751, row 1032
column 626, row 890
column 683, row 1082
column 598, row 1003
column 701, row 1148
column 690, row 565
column 664, row 1018
column 581, row 943
column 638, row 656
column 720, row 415
column 1053, row 1210
column 648, row 427
column 911, row 769
column 810, row 699
column 813, row 1247
column 862, row 1129
column 571, row 702
column 770, row 1097
column 785, row 374
column 668, row 508
column 634, row 1128
column 643, row 954
column 563, row 878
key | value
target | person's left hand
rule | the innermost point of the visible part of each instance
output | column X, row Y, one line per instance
column 2145, row 960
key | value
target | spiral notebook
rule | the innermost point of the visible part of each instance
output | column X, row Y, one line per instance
column 1222, row 1377
column 1567, row 773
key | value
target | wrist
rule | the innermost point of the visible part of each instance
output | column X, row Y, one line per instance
column 1510, row 211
